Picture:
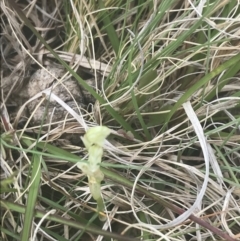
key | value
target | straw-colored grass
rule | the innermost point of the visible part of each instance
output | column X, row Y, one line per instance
column 164, row 76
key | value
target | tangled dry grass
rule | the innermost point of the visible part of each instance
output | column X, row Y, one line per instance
column 164, row 78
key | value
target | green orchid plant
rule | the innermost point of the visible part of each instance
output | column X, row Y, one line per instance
column 93, row 141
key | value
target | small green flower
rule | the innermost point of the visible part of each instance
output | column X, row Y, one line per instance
column 93, row 141
column 95, row 157
column 95, row 136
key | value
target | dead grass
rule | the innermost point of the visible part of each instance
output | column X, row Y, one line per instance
column 143, row 77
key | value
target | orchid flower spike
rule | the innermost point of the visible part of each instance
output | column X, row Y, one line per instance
column 93, row 141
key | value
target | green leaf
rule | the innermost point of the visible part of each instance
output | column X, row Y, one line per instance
column 71, row 223
column 111, row 111
column 108, row 26
column 229, row 63
column 31, row 197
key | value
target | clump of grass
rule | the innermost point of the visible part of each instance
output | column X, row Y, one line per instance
column 166, row 84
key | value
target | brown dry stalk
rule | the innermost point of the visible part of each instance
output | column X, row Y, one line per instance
column 166, row 204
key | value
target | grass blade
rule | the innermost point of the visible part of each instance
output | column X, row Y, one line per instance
column 232, row 61
column 32, row 197
column 111, row 111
